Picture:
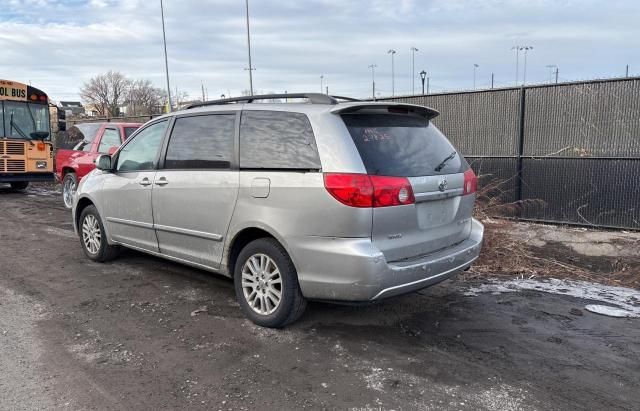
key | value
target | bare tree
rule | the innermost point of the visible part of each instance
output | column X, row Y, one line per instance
column 145, row 99
column 106, row 92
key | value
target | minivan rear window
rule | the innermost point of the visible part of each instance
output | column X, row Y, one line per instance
column 402, row 145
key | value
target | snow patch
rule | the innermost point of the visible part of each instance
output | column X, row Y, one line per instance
column 622, row 302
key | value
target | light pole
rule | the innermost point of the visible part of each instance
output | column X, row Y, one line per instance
column 423, row 77
column 551, row 67
column 475, row 67
column 322, row 83
column 524, row 74
column 517, row 49
column 393, row 72
column 413, row 70
column 249, row 50
column 373, row 80
column 166, row 62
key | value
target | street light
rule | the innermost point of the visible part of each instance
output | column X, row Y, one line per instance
column 524, row 75
column 475, row 67
column 423, row 76
column 393, row 73
column 249, row 50
column 321, row 84
column 551, row 67
column 166, row 62
column 413, row 70
column 373, row 80
column 517, row 49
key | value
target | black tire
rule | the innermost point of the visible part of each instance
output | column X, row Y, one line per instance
column 104, row 251
column 69, row 182
column 292, row 303
column 19, row 185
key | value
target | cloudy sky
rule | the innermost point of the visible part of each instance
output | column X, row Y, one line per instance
column 59, row 44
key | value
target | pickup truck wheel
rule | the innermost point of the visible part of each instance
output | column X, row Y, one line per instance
column 19, row 185
column 266, row 284
column 69, row 185
column 93, row 237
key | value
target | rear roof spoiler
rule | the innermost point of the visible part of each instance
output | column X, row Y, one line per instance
column 422, row 111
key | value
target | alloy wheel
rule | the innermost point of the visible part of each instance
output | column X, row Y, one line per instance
column 262, row 284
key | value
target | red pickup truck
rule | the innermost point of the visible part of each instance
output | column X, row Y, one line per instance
column 79, row 148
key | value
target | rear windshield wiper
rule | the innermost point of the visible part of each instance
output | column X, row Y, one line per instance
column 444, row 162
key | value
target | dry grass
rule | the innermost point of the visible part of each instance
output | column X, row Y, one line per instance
column 506, row 255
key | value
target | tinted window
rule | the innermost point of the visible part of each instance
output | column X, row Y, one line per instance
column 401, row 145
column 128, row 131
column 110, row 138
column 79, row 137
column 141, row 152
column 201, row 142
column 273, row 139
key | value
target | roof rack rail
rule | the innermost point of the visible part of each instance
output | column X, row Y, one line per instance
column 314, row 98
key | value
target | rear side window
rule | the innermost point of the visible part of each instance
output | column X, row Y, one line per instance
column 277, row 140
column 128, row 131
column 401, row 145
column 201, row 142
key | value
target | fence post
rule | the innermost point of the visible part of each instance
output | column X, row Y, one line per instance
column 521, row 117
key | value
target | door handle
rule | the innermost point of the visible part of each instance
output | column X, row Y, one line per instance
column 162, row 181
column 145, row 182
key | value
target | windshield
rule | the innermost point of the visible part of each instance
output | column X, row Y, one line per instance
column 400, row 145
column 21, row 120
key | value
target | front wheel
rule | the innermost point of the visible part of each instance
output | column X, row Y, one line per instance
column 19, row 185
column 266, row 284
column 69, row 185
column 93, row 237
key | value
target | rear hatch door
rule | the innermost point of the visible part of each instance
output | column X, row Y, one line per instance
column 400, row 142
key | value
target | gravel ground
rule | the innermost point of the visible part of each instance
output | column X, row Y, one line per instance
column 143, row 333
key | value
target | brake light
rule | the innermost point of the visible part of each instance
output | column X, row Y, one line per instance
column 470, row 182
column 363, row 191
column 391, row 191
column 354, row 190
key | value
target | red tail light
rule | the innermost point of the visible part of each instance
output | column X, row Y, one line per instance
column 391, row 191
column 362, row 190
column 470, row 182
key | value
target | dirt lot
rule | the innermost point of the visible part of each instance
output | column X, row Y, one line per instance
column 143, row 333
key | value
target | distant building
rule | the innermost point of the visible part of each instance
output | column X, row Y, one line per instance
column 72, row 108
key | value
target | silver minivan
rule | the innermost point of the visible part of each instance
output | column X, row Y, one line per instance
column 302, row 197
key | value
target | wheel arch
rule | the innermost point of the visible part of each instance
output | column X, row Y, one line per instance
column 243, row 237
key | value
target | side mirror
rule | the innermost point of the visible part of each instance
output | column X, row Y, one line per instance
column 112, row 150
column 103, row 162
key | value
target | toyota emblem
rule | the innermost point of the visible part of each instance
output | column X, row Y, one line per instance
column 442, row 186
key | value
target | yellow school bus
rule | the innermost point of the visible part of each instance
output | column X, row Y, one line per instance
column 26, row 152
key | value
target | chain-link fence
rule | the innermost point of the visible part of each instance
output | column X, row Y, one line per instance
column 575, row 146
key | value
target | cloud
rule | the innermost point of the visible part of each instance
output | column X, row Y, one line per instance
column 59, row 44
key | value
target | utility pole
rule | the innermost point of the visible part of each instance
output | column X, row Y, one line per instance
column 321, row 83
column 524, row 75
column 203, row 97
column 557, row 70
column 166, row 61
column 373, row 80
column 413, row 70
column 393, row 72
column 327, row 90
column 491, row 80
column 627, row 72
column 249, row 50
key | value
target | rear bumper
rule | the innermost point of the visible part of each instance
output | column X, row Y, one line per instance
column 26, row 177
column 353, row 269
